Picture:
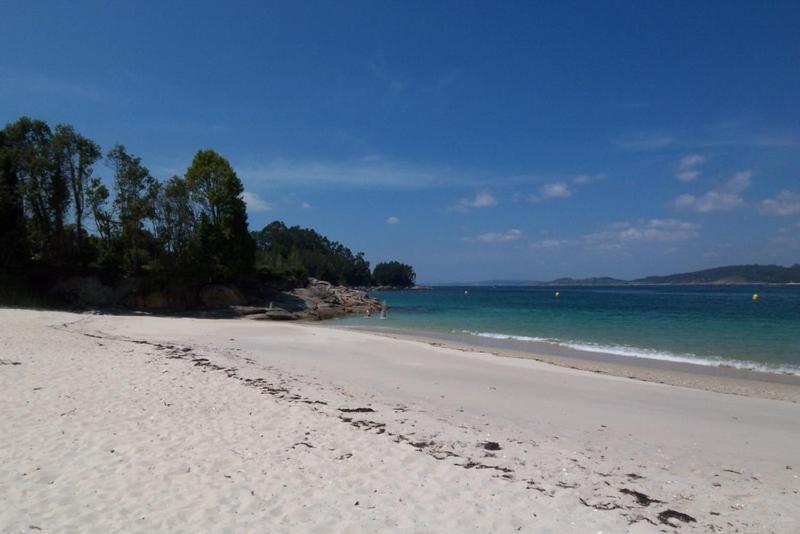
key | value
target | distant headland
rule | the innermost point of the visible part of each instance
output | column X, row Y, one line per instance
column 728, row 275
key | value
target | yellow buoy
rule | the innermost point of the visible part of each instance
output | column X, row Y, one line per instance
column 558, row 294
column 756, row 296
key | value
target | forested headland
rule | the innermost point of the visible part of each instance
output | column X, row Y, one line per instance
column 59, row 219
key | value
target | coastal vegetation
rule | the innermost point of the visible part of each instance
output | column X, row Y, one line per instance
column 290, row 255
column 59, row 219
column 394, row 274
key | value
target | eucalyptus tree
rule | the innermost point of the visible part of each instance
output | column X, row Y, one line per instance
column 33, row 183
column 226, row 247
column 13, row 234
column 175, row 219
column 135, row 191
column 74, row 157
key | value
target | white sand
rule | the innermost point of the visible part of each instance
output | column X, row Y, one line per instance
column 235, row 426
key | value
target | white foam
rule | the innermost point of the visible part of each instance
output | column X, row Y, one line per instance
column 652, row 354
column 493, row 335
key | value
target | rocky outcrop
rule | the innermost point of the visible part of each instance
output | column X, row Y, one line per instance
column 324, row 300
column 319, row 300
column 84, row 291
column 215, row 296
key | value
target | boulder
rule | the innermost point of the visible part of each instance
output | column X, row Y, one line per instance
column 154, row 300
column 325, row 301
column 248, row 310
column 84, row 291
column 273, row 314
column 220, row 296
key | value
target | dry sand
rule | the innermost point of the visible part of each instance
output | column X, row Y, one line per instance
column 144, row 424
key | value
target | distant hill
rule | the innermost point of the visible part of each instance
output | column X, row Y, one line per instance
column 596, row 281
column 732, row 274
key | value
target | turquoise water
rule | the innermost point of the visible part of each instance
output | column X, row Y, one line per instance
column 700, row 324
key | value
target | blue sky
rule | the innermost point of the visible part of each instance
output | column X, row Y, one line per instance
column 473, row 140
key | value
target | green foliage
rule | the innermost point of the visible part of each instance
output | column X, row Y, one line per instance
column 225, row 246
column 133, row 206
column 74, row 157
column 40, row 184
column 394, row 274
column 296, row 253
column 175, row 217
column 13, row 233
column 59, row 219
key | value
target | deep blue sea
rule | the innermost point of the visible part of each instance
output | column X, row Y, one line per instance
column 712, row 325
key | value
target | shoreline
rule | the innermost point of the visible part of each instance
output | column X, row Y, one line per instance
column 720, row 379
column 136, row 423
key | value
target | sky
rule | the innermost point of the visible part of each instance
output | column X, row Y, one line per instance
column 474, row 140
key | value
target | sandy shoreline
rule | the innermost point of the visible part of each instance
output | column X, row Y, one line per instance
column 777, row 386
column 152, row 424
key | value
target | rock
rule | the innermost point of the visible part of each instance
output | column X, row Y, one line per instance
column 220, row 296
column 84, row 291
column 324, row 300
column 248, row 310
column 274, row 314
column 155, row 300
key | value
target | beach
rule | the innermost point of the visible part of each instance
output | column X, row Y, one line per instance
column 136, row 423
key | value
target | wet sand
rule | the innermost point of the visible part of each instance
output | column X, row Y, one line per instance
column 721, row 379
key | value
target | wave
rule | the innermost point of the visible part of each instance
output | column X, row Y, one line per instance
column 652, row 354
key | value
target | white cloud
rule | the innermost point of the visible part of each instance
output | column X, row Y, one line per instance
column 563, row 188
column 497, row 237
column 392, row 220
column 687, row 176
column 726, row 198
column 642, row 230
column 375, row 171
column 792, row 228
column 586, row 179
column 255, row 203
column 305, row 205
column 785, row 203
column 787, row 238
column 687, row 167
column 548, row 243
column 555, row 190
column 370, row 171
column 483, row 199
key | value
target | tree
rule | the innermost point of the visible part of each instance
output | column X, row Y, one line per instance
column 175, row 219
column 30, row 166
column 13, row 233
column 394, row 274
column 97, row 199
column 75, row 155
column 134, row 204
column 300, row 252
column 225, row 244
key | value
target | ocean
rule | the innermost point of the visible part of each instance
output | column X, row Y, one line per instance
column 708, row 325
